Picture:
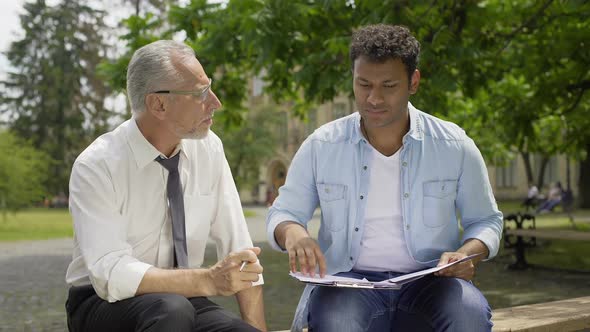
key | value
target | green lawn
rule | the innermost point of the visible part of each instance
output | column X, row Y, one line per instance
column 36, row 224
column 42, row 224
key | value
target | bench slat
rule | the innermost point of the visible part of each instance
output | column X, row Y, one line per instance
column 550, row 234
column 564, row 315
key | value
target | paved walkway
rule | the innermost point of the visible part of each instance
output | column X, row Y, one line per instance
column 32, row 286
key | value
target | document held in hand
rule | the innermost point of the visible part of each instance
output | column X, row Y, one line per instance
column 393, row 283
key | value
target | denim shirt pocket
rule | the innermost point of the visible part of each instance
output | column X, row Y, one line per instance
column 333, row 205
column 438, row 205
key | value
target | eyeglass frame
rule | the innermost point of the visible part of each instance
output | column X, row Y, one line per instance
column 202, row 95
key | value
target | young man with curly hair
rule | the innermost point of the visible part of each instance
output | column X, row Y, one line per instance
column 391, row 182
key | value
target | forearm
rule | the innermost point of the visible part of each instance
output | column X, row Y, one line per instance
column 185, row 282
column 251, row 304
column 289, row 228
column 474, row 246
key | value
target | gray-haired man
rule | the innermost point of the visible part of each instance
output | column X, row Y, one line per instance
column 144, row 200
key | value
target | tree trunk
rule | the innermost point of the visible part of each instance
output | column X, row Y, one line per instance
column 527, row 167
column 584, row 184
column 541, row 178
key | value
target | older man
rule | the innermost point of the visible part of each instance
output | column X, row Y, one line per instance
column 144, row 200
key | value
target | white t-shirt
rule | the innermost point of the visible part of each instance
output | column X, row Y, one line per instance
column 383, row 245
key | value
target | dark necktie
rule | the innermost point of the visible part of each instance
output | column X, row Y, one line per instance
column 176, row 203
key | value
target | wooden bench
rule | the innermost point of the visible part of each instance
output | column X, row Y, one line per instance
column 525, row 236
column 558, row 316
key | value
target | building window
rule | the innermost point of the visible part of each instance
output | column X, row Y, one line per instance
column 551, row 169
column 258, row 84
column 506, row 176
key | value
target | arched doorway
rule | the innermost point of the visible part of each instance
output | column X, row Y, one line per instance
column 277, row 173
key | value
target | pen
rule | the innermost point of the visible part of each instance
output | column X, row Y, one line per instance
column 243, row 265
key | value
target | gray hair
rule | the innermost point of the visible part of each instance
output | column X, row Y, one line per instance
column 151, row 69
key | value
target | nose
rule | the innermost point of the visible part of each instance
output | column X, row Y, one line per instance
column 375, row 97
column 214, row 102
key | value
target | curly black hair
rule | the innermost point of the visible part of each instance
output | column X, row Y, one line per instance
column 381, row 42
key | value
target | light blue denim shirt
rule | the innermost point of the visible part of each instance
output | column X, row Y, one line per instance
column 443, row 180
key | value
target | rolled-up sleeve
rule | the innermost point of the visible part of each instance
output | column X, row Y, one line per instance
column 480, row 216
column 229, row 229
column 101, row 233
column 298, row 198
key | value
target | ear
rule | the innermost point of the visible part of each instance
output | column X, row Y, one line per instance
column 415, row 82
column 155, row 105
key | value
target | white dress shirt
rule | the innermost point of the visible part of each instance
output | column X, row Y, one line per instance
column 122, row 223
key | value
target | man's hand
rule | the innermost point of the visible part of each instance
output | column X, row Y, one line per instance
column 464, row 270
column 305, row 250
column 226, row 277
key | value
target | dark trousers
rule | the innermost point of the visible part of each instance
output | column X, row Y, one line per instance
column 150, row 312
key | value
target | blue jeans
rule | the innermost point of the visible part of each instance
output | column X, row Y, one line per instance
column 427, row 304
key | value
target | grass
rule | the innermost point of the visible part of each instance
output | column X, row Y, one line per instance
column 36, row 224
column 43, row 224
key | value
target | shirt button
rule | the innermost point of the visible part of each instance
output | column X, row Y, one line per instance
column 327, row 190
column 365, row 168
column 406, row 195
column 408, row 226
column 404, row 164
column 350, row 257
column 356, row 229
column 362, row 196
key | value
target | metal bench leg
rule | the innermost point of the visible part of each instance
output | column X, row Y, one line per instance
column 520, row 263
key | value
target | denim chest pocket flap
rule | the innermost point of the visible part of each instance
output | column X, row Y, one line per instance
column 328, row 192
column 333, row 205
column 440, row 189
column 439, row 203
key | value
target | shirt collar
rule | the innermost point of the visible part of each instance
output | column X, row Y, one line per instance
column 416, row 128
column 143, row 151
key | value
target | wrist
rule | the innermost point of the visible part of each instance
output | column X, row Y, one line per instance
column 294, row 233
column 203, row 280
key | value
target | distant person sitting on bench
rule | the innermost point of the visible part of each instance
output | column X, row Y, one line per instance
column 553, row 199
column 533, row 197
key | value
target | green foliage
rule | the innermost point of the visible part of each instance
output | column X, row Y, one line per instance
column 250, row 143
column 513, row 73
column 23, row 171
column 53, row 97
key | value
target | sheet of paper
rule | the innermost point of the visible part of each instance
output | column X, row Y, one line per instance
column 336, row 281
column 327, row 279
column 419, row 274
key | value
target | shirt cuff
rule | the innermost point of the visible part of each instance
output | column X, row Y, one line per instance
column 275, row 219
column 125, row 278
column 487, row 236
column 259, row 282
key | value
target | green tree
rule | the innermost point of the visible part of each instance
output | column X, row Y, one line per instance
column 53, row 97
column 250, row 143
column 23, row 171
column 512, row 73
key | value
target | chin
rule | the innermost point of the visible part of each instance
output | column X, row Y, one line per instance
column 197, row 134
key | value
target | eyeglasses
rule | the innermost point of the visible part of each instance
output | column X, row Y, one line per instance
column 201, row 95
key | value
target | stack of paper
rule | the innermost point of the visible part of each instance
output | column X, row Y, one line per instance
column 393, row 283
